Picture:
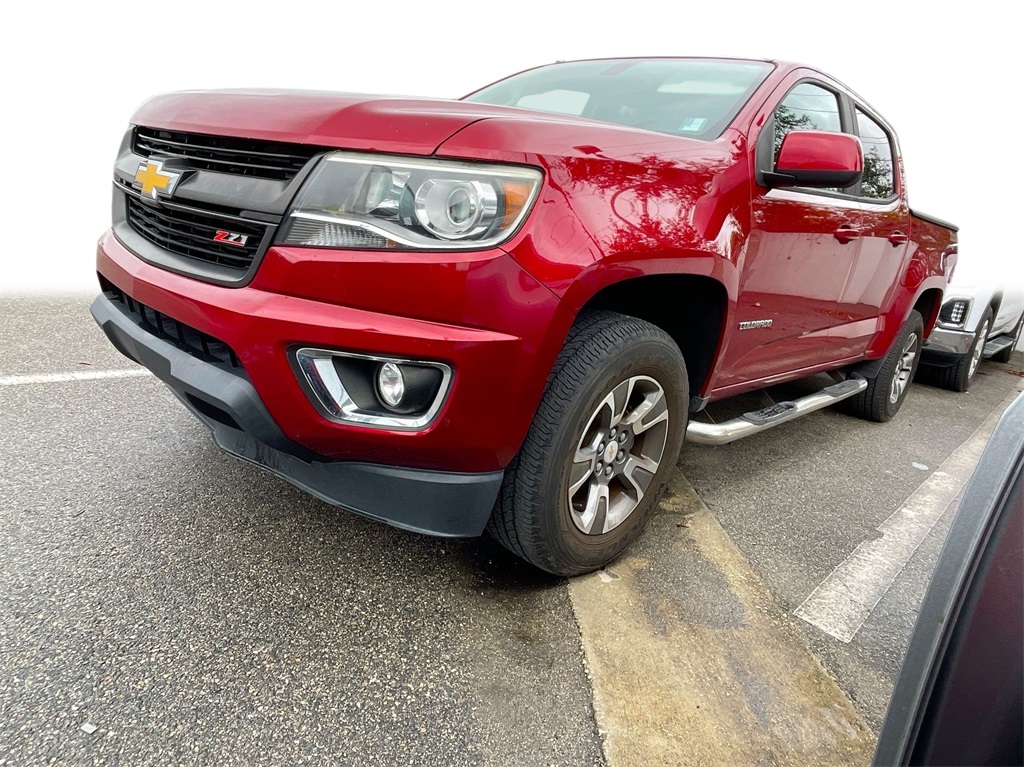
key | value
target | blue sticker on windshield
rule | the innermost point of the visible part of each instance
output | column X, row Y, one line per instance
column 693, row 124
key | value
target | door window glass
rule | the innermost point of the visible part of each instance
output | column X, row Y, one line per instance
column 806, row 107
column 879, row 180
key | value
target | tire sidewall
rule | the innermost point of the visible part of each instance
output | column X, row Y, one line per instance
column 979, row 340
column 913, row 324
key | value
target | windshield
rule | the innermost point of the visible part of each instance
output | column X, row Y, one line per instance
column 696, row 98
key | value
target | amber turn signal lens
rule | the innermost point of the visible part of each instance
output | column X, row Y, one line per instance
column 517, row 194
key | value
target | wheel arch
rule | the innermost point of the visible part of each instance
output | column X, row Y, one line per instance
column 928, row 305
column 691, row 308
column 994, row 304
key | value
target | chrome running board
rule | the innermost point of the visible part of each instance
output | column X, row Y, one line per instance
column 767, row 417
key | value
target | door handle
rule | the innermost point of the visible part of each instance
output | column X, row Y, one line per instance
column 899, row 238
column 846, row 233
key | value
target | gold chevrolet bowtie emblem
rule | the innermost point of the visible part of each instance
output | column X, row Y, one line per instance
column 154, row 180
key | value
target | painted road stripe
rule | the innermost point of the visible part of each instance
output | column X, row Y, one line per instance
column 845, row 599
column 84, row 375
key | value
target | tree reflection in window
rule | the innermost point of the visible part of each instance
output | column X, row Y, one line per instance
column 878, row 181
column 806, row 107
column 787, row 120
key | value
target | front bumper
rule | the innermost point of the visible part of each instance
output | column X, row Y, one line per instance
column 944, row 341
column 435, row 502
column 488, row 320
column 481, row 315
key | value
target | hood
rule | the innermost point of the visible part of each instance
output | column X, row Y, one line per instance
column 342, row 120
column 406, row 125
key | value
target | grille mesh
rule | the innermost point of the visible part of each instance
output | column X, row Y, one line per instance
column 206, row 237
column 225, row 154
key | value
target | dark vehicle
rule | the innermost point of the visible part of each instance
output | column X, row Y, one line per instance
column 960, row 696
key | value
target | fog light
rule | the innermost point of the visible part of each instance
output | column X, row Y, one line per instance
column 390, row 384
column 380, row 392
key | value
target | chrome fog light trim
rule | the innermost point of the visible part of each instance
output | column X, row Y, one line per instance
column 321, row 380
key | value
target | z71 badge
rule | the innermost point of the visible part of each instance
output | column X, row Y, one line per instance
column 230, row 238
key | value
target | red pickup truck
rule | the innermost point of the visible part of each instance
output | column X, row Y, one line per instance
column 499, row 312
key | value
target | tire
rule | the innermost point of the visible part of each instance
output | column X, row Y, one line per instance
column 1005, row 354
column 884, row 395
column 614, row 372
column 958, row 376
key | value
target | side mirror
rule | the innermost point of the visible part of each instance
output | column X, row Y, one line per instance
column 817, row 158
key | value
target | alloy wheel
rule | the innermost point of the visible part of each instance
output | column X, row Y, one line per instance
column 905, row 371
column 617, row 455
column 979, row 347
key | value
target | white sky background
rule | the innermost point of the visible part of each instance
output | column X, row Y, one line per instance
column 73, row 74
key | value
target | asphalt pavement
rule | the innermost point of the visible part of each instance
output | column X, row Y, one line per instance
column 798, row 499
column 162, row 603
column 195, row 610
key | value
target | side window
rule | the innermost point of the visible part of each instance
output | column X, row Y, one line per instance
column 879, row 180
column 806, row 107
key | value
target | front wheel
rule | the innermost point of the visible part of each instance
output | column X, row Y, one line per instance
column 959, row 375
column 884, row 395
column 601, row 447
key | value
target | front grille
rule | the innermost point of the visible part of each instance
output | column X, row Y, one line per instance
column 225, row 154
column 200, row 345
column 202, row 236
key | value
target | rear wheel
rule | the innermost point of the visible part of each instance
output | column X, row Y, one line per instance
column 601, row 447
column 884, row 395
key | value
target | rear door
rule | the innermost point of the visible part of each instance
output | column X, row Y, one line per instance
column 883, row 227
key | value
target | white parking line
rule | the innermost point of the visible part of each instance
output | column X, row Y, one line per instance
column 845, row 599
column 83, row 375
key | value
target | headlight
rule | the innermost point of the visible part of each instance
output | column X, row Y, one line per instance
column 379, row 202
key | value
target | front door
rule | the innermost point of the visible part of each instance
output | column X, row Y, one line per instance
column 798, row 258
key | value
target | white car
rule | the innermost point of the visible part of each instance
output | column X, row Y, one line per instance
column 981, row 318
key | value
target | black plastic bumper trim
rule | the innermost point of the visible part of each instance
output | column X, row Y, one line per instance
column 434, row 502
column 190, row 377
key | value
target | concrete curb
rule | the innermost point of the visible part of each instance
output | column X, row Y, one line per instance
column 693, row 662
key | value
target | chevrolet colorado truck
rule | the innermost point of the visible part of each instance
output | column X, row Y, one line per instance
column 498, row 313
